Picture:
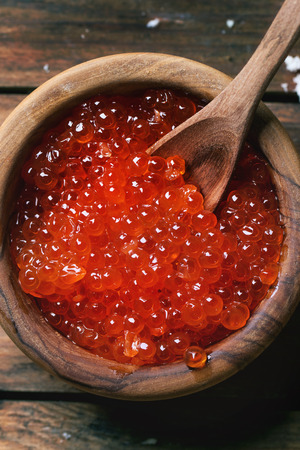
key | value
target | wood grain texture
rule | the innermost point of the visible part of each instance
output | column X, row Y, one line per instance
column 7, row 103
column 20, row 317
column 75, row 426
column 40, row 39
column 18, row 374
column 242, row 413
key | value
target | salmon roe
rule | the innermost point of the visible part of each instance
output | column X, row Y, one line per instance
column 118, row 251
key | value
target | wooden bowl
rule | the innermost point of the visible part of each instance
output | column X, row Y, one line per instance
column 19, row 315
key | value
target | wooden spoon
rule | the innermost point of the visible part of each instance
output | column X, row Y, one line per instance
column 210, row 140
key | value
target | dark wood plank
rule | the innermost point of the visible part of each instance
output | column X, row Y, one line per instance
column 19, row 373
column 289, row 116
column 75, row 426
column 40, row 39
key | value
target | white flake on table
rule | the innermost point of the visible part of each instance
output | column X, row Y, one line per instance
column 230, row 23
column 153, row 23
column 292, row 63
column 296, row 80
column 285, row 87
column 46, row 68
column 66, row 435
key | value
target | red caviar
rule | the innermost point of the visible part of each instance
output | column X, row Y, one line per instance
column 120, row 254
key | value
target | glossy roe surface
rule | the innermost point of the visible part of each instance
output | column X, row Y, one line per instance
column 117, row 249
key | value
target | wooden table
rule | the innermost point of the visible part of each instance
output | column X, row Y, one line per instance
column 259, row 407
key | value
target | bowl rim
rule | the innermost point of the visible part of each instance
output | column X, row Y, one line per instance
column 81, row 368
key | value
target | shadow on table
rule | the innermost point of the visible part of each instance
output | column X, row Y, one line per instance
column 252, row 404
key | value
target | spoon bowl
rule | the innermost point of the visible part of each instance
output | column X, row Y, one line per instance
column 209, row 160
column 210, row 141
column 19, row 315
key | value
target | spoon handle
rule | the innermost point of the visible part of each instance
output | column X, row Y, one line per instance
column 240, row 99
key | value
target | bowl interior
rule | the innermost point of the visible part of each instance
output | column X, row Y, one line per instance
column 19, row 315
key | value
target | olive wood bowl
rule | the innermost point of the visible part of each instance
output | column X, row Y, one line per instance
column 19, row 315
